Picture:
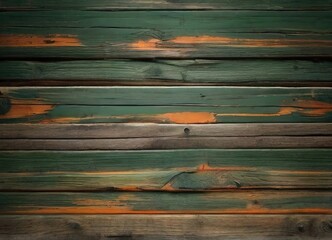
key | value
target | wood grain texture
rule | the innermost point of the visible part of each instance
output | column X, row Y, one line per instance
column 193, row 170
column 168, row 5
column 101, row 43
column 121, row 161
column 165, row 227
column 244, row 202
column 147, row 130
column 180, row 22
column 198, row 71
column 200, row 178
column 167, row 143
column 164, row 105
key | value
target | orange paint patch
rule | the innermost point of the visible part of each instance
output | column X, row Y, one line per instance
column 189, row 41
column 283, row 111
column 150, row 44
column 26, row 40
column 205, row 167
column 188, row 117
column 18, row 110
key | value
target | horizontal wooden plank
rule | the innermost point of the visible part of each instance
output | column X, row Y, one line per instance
column 121, row 161
column 164, row 104
column 180, row 22
column 167, row 143
column 169, row 5
column 200, row 71
column 194, row 170
column 246, row 202
column 200, row 178
column 101, row 43
column 146, row 130
column 165, row 227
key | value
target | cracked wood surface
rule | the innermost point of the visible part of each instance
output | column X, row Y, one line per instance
column 174, row 171
column 166, row 72
column 175, row 34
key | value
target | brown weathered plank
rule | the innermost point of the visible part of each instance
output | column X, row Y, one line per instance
column 148, row 130
column 165, row 227
column 167, row 143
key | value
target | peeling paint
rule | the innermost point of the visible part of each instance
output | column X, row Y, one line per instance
column 188, row 117
column 189, row 41
column 27, row 40
column 22, row 109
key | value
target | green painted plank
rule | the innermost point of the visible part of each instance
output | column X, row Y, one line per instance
column 168, row 71
column 93, row 43
column 98, row 161
column 180, row 22
column 186, row 179
column 195, row 170
column 264, row 202
column 165, row 4
column 165, row 104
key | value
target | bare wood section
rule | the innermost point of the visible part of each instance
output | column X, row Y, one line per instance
column 26, row 40
column 166, row 227
column 149, row 130
column 167, row 143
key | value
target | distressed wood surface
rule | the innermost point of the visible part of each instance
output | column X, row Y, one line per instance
column 182, row 170
column 119, row 161
column 140, row 72
column 165, row 227
column 180, row 22
column 168, row 5
column 100, row 43
column 147, row 130
column 244, row 202
column 168, row 143
column 169, row 105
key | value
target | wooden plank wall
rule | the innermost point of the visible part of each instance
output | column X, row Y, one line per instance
column 165, row 119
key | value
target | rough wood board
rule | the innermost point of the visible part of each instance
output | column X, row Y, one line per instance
column 182, row 170
column 147, row 130
column 169, row 5
column 164, row 104
column 232, row 202
column 166, row 143
column 99, row 161
column 179, row 22
column 103, row 43
column 165, row 227
column 198, row 71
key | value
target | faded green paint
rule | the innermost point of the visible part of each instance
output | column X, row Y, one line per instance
column 120, row 43
column 180, row 22
column 166, row 4
column 168, row 71
column 168, row 104
column 72, row 161
column 251, row 202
